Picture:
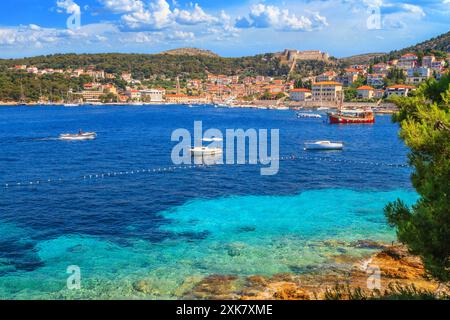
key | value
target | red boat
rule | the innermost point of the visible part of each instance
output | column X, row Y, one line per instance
column 352, row 117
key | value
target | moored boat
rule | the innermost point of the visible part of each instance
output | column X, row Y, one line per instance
column 352, row 117
column 78, row 136
column 323, row 145
column 205, row 151
column 308, row 115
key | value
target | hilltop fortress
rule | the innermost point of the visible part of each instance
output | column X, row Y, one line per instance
column 293, row 55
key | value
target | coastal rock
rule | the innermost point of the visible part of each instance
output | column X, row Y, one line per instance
column 222, row 287
column 257, row 281
column 187, row 285
column 235, row 249
column 142, row 286
column 367, row 244
column 397, row 263
column 345, row 259
column 288, row 291
column 334, row 243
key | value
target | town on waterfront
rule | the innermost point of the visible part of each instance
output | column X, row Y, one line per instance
column 367, row 84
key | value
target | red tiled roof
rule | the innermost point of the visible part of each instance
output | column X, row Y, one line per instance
column 401, row 86
column 365, row 88
column 300, row 90
column 327, row 83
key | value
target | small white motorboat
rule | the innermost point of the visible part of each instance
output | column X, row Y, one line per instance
column 212, row 139
column 205, row 151
column 78, row 136
column 71, row 105
column 323, row 145
column 308, row 115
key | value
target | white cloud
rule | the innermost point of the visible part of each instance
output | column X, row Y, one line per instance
column 268, row 16
column 197, row 16
column 413, row 9
column 122, row 6
column 156, row 17
column 69, row 6
column 34, row 36
column 181, row 35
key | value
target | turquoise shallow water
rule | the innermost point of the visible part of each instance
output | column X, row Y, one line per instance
column 172, row 229
column 242, row 235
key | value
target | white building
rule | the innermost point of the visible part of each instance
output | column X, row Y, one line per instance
column 427, row 61
column 408, row 61
column 399, row 90
column 327, row 91
column 366, row 92
column 438, row 65
column 326, row 76
column 419, row 72
column 375, row 79
column 152, row 95
column 300, row 94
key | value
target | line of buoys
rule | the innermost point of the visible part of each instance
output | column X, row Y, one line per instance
column 194, row 166
column 104, row 175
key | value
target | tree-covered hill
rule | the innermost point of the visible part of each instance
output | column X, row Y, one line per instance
column 146, row 65
column 439, row 46
column 439, row 43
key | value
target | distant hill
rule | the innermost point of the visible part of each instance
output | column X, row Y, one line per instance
column 360, row 58
column 191, row 52
column 169, row 65
column 439, row 43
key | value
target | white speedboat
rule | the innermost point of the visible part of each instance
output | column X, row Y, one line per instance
column 323, row 145
column 205, row 151
column 70, row 105
column 212, row 139
column 78, row 136
column 308, row 115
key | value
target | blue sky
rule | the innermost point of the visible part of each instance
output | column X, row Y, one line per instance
column 228, row 27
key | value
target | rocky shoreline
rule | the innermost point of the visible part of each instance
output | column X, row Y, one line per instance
column 394, row 264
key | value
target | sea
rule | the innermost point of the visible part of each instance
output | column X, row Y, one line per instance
column 90, row 219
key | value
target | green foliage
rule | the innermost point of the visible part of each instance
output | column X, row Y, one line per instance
column 144, row 66
column 350, row 94
column 299, row 83
column 425, row 128
column 15, row 86
column 312, row 67
column 395, row 76
column 108, row 98
column 393, row 292
column 358, row 82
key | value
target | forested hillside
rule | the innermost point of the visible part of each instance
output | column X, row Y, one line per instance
column 145, row 65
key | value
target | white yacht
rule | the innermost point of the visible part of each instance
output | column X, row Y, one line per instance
column 78, row 136
column 205, row 151
column 308, row 115
column 323, row 145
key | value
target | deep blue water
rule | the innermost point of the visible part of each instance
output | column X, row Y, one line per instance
column 171, row 225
